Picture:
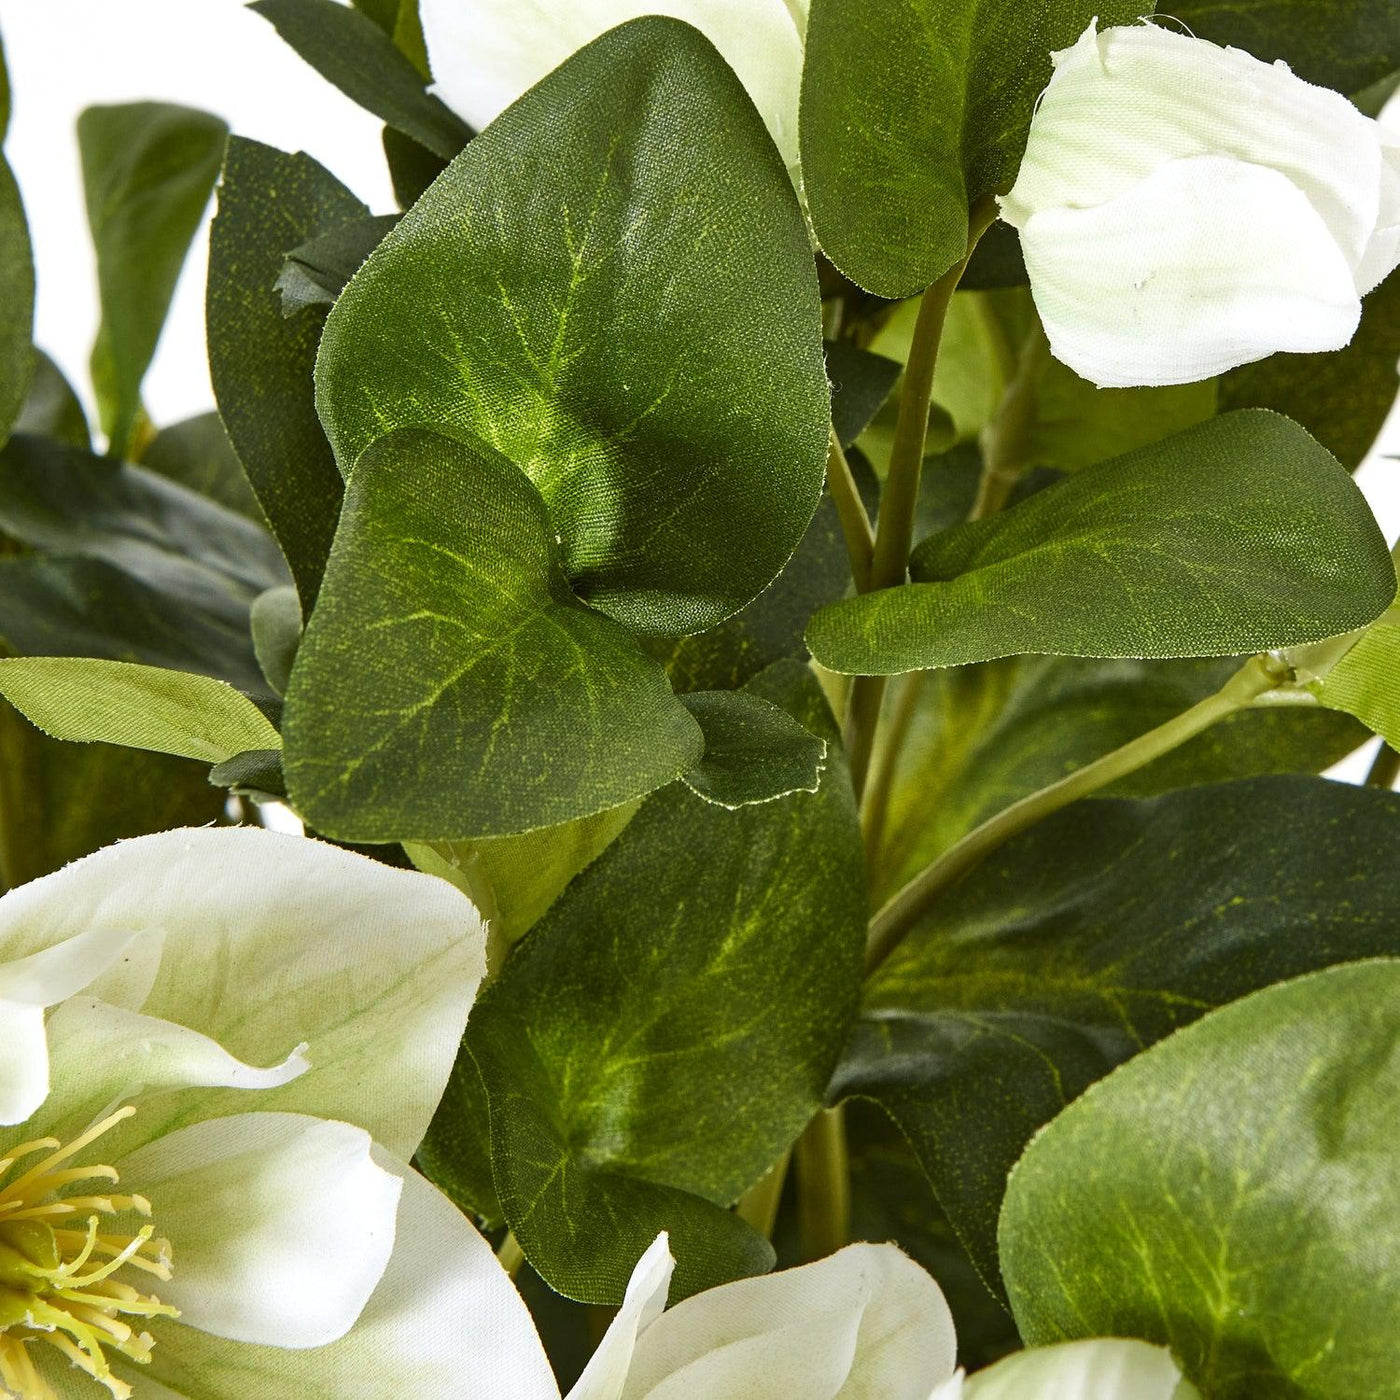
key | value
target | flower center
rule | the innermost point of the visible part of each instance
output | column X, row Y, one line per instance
column 59, row 1259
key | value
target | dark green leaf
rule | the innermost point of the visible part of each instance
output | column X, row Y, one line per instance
column 260, row 363
column 61, row 801
column 86, row 701
column 71, row 606
column 976, row 739
column 860, row 385
column 52, row 409
column 351, row 51
column 998, row 261
column 754, row 751
column 1342, row 44
column 16, row 301
column 412, row 168
column 197, row 453
column 256, row 773
column 613, row 286
column 1231, row 1194
column 148, row 169
column 1238, row 535
column 702, row 950
column 912, row 110
column 449, row 685
column 316, row 272
column 1341, row 399
column 1094, row 934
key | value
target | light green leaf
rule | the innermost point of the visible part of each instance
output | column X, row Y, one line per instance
column 261, row 363
column 652, row 360
column 703, row 949
column 1096, row 933
column 754, row 751
column 51, row 408
column 1238, row 535
column 449, row 685
column 1346, row 46
column 912, row 110
column 1365, row 682
column 141, row 707
column 197, row 453
column 148, row 170
column 1230, row 1194
column 351, row 51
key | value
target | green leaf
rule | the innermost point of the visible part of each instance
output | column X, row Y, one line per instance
column 1342, row 399
column 16, row 300
column 351, row 51
column 639, row 330
column 1365, row 682
column 703, row 949
column 1342, row 44
column 316, row 272
column 973, row 740
column 861, row 383
column 255, row 773
column 1231, row 1194
column 1096, row 933
column 412, row 168
column 754, row 751
column 513, row 880
column 148, row 169
column 449, row 685
column 1236, row 536
column 912, row 110
column 60, row 801
column 52, row 409
column 197, row 453
column 71, row 606
column 140, row 707
column 261, row 363
column 276, row 623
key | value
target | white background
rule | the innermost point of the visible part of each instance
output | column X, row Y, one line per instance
column 64, row 55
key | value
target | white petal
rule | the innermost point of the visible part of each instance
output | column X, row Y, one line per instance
column 865, row 1324
column 1123, row 102
column 24, row 1062
column 274, row 940
column 1207, row 264
column 605, row 1376
column 104, row 1055
column 486, row 53
column 1099, row 1369
column 445, row 1322
column 282, row 1225
column 1382, row 254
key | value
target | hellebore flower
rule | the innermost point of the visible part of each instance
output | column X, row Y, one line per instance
column 178, row 1224
column 1185, row 208
column 1099, row 1369
column 867, row 1323
column 486, row 53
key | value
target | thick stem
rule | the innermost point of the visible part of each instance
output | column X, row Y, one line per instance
column 850, row 511
column 823, row 1185
column 758, row 1206
column 902, row 912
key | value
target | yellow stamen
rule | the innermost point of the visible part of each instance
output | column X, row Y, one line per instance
column 58, row 1288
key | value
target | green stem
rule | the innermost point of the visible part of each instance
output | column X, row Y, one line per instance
column 875, row 812
column 510, row 1254
column 824, row 1185
column 903, row 911
column 758, row 1206
column 1385, row 769
column 894, row 532
column 850, row 511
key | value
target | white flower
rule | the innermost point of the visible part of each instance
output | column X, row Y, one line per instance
column 864, row 1324
column 174, row 1219
column 1098, row 1369
column 1185, row 208
column 486, row 53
